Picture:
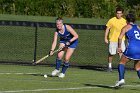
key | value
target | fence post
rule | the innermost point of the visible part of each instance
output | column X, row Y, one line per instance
column 35, row 41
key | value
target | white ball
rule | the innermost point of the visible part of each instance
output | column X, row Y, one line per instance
column 45, row 76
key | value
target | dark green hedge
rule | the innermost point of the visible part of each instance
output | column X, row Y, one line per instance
column 68, row 8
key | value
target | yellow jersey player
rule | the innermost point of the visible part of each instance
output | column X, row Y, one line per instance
column 112, row 32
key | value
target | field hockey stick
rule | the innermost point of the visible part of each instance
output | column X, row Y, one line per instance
column 43, row 58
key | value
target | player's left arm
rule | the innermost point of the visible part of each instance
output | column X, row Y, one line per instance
column 73, row 32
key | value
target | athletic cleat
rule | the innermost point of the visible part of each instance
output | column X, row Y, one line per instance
column 61, row 75
column 55, row 72
column 119, row 83
column 109, row 70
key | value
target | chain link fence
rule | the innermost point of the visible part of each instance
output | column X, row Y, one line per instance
column 26, row 42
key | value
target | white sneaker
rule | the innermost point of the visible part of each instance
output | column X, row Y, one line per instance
column 109, row 70
column 120, row 83
column 61, row 75
column 55, row 72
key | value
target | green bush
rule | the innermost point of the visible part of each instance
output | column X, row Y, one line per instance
column 68, row 8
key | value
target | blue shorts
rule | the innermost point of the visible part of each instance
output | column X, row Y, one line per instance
column 72, row 45
column 132, row 52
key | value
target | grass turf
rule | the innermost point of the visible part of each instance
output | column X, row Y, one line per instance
column 96, row 21
column 29, row 79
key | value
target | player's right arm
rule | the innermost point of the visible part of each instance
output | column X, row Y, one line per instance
column 108, row 27
column 138, row 27
column 122, row 34
column 106, row 34
column 54, row 43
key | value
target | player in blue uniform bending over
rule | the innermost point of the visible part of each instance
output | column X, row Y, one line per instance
column 132, row 52
column 68, row 38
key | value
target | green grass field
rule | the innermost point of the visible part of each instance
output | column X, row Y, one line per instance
column 29, row 79
column 52, row 19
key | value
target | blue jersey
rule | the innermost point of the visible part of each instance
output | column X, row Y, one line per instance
column 133, row 48
column 66, row 36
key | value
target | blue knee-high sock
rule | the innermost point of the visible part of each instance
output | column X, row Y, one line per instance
column 64, row 68
column 58, row 63
column 121, row 70
column 138, row 73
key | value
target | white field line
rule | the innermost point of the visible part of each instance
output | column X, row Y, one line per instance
column 60, row 89
column 132, row 85
column 17, row 73
column 53, row 89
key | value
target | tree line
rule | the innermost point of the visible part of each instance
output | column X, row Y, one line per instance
column 68, row 8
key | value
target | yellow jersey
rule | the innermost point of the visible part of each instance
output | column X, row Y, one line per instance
column 115, row 26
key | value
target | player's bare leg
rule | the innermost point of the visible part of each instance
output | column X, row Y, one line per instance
column 110, row 59
column 68, row 55
column 137, row 67
column 58, row 61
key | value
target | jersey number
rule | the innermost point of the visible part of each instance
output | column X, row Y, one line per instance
column 137, row 35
